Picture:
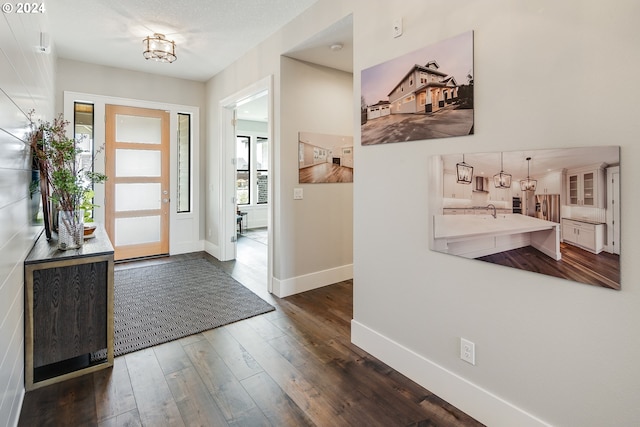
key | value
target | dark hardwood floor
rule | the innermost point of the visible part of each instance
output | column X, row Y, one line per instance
column 576, row 264
column 295, row 366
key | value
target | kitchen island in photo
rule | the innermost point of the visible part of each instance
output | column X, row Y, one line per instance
column 554, row 212
column 473, row 236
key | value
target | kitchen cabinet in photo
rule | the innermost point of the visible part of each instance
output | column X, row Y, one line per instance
column 550, row 183
column 500, row 194
column 453, row 190
column 586, row 235
column 586, row 186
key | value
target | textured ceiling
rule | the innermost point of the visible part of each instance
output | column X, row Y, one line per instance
column 209, row 34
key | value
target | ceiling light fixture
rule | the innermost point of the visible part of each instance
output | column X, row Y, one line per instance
column 528, row 184
column 336, row 47
column 158, row 48
column 464, row 172
column 502, row 180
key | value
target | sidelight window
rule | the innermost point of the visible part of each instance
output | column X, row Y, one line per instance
column 184, row 163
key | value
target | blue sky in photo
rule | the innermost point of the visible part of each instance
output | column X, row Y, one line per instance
column 453, row 55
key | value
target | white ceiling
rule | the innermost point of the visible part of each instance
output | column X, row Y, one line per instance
column 209, row 34
column 317, row 50
column 542, row 161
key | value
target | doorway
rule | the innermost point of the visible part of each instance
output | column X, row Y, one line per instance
column 247, row 186
column 137, row 191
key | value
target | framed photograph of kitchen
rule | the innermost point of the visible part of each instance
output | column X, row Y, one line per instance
column 554, row 212
column 424, row 94
column 324, row 158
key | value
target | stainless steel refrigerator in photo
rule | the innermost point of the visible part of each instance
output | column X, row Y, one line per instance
column 543, row 206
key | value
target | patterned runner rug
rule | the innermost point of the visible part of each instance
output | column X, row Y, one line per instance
column 161, row 303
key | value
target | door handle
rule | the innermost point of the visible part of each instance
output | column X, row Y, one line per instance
column 165, row 200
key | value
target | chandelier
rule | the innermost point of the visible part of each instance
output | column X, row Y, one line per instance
column 464, row 172
column 502, row 180
column 158, row 48
column 528, row 184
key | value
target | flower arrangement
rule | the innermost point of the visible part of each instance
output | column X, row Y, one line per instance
column 57, row 157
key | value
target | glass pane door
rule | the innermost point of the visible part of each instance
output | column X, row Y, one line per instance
column 137, row 189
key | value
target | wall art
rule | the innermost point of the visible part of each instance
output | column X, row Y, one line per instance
column 560, row 215
column 424, row 94
column 324, row 158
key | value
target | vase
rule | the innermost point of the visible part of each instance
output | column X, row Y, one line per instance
column 70, row 229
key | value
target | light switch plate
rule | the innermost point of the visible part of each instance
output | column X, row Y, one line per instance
column 297, row 194
column 397, row 27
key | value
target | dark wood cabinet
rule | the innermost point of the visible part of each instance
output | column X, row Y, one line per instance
column 68, row 310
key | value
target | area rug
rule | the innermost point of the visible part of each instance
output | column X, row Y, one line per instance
column 161, row 303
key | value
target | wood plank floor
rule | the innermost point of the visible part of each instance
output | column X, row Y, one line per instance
column 291, row 367
column 325, row 172
column 576, row 264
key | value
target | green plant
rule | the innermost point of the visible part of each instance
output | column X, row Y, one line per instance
column 87, row 205
column 58, row 161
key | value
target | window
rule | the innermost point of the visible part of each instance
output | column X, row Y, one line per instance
column 243, row 150
column 252, row 170
column 184, row 163
column 262, row 169
column 83, row 134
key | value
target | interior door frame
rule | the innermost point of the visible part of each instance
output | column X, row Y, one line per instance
column 185, row 234
column 227, row 168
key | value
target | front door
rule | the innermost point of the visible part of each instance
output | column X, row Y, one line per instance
column 137, row 191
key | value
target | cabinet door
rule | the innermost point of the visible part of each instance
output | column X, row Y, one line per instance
column 572, row 190
column 567, row 231
column 69, row 312
column 448, row 185
column 453, row 190
column 588, row 181
column 499, row 194
column 586, row 188
column 553, row 183
column 587, row 238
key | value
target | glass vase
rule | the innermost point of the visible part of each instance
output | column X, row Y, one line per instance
column 70, row 229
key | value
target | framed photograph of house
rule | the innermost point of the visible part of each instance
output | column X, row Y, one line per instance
column 554, row 212
column 424, row 94
column 324, row 158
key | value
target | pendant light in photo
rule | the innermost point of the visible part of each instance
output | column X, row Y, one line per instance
column 528, row 184
column 464, row 172
column 502, row 180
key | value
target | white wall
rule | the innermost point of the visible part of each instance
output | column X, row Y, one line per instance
column 81, row 77
column 300, row 260
column 314, row 99
column 26, row 83
column 548, row 350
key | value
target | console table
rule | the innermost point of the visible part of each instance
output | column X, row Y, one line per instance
column 68, row 310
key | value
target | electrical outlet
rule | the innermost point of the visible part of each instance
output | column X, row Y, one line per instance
column 297, row 194
column 467, row 351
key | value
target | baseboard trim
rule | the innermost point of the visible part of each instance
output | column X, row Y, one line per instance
column 458, row 391
column 307, row 282
column 211, row 249
column 185, row 248
column 16, row 419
